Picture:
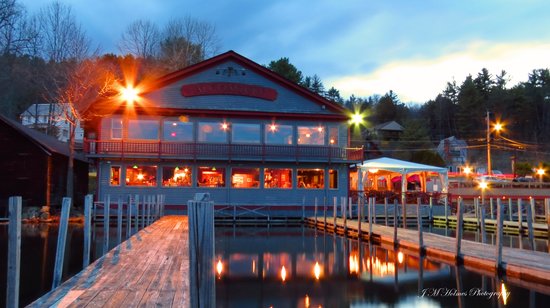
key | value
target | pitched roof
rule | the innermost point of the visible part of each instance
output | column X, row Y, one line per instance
column 45, row 142
column 389, row 126
column 402, row 166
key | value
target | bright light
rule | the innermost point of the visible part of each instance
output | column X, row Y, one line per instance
column 467, row 170
column 129, row 94
column 320, row 129
column 498, row 127
column 306, row 301
column 140, row 176
column 273, row 127
column 283, row 273
column 219, row 267
column 400, row 257
column 317, row 270
column 225, row 126
column 504, row 293
column 483, row 185
column 540, row 171
column 356, row 118
column 353, row 264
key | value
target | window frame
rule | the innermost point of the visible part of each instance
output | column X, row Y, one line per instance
column 245, row 168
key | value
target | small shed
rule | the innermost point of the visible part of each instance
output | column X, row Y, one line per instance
column 397, row 174
column 34, row 166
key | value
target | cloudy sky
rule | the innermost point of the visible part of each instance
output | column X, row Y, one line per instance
column 360, row 47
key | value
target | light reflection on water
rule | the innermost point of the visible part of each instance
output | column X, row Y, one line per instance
column 324, row 270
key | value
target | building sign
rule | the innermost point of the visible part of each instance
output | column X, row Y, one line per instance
column 228, row 88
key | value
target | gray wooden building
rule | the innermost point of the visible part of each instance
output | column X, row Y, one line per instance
column 227, row 126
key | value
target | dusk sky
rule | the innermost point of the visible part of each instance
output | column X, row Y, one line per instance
column 360, row 47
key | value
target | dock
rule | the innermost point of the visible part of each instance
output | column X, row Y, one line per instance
column 151, row 268
column 523, row 267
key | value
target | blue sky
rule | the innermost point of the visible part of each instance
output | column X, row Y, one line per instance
column 360, row 47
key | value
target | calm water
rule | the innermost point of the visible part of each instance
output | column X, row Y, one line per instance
column 319, row 270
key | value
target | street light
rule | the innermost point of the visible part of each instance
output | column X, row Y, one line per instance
column 540, row 172
column 497, row 127
column 483, row 185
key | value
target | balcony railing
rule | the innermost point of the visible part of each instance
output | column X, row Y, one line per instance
column 201, row 151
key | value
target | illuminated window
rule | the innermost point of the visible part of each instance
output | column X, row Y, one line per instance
column 311, row 178
column 141, row 175
column 245, row 133
column 177, row 131
column 114, row 178
column 143, row 129
column 314, row 135
column 177, row 176
column 116, row 128
column 278, row 134
column 333, row 135
column 211, row 177
column 213, row 132
column 245, row 177
column 277, row 178
column 333, row 179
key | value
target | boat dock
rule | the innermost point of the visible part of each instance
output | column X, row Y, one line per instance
column 520, row 266
column 151, row 268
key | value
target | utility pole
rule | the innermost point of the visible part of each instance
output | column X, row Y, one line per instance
column 488, row 144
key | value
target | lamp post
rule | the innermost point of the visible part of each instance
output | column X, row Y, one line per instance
column 483, row 185
column 540, row 172
column 497, row 128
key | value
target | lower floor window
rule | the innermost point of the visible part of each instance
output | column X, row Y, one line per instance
column 114, row 179
column 311, row 178
column 245, row 177
column 277, row 178
column 333, row 179
column 211, row 177
column 141, row 175
column 178, row 176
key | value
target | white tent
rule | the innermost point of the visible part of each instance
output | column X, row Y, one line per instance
column 389, row 167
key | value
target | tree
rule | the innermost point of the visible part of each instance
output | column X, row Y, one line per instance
column 141, row 39
column 18, row 35
column 61, row 37
column 334, row 95
column 284, row 68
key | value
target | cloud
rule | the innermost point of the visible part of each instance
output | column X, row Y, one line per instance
column 419, row 80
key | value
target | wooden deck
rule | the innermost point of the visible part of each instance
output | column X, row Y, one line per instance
column 523, row 267
column 149, row 269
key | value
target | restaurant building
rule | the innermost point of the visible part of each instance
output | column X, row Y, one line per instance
column 227, row 126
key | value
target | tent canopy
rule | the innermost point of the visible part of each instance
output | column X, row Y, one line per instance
column 403, row 168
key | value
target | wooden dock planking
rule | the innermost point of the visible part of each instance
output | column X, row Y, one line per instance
column 532, row 267
column 149, row 269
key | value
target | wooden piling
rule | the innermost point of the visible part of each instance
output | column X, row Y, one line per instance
column 315, row 211
column 459, row 226
column 530, row 223
column 431, row 212
column 374, row 210
column 88, row 202
column 547, row 214
column 386, row 211
column 395, row 223
column 335, row 208
column 136, row 217
column 491, row 208
column 482, row 226
column 61, row 242
column 372, row 201
column 106, row 214
column 446, row 203
column 520, row 216
column 201, row 251
column 119, row 221
column 129, row 216
column 359, row 217
column 499, row 240
column 510, row 217
column 14, row 252
column 419, row 221
column 345, row 216
column 350, row 208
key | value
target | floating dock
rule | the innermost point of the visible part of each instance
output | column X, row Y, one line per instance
column 149, row 269
column 524, row 267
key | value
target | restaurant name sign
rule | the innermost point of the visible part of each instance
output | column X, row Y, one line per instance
column 228, row 88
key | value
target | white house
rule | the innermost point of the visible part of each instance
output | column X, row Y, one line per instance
column 46, row 116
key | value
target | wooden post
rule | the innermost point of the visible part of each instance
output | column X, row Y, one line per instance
column 404, row 211
column 372, row 200
column 106, row 214
column 547, row 214
column 530, row 223
column 136, row 217
column 492, row 208
column 459, row 211
column 445, row 204
column 419, row 221
column 359, row 217
column 14, row 252
column 476, row 209
column 350, row 208
column 147, row 210
column 201, row 251
column 395, row 223
column 533, row 213
column 61, row 238
column 129, row 217
column 88, row 202
column 482, row 226
column 345, row 216
column 510, row 217
column 431, row 213
column 315, row 211
column 386, row 211
column 303, row 208
column 500, row 223
column 325, row 213
column 119, row 221
column 520, row 216
column 373, row 210
column 335, row 208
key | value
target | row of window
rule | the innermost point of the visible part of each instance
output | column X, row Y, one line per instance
column 182, row 176
column 213, row 132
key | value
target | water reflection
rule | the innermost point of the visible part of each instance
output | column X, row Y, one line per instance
column 302, row 267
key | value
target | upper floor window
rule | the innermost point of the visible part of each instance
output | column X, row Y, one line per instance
column 213, row 132
column 314, row 135
column 245, row 133
column 116, row 128
column 333, row 135
column 278, row 134
column 143, row 129
column 177, row 131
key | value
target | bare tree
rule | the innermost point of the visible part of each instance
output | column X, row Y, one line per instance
column 140, row 39
column 17, row 34
column 62, row 37
column 187, row 41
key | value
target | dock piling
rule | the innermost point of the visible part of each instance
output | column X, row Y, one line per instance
column 386, row 211
column 88, row 202
column 14, row 252
column 119, row 221
column 530, row 218
column 482, row 226
column 459, row 226
column 419, row 220
column 106, row 214
column 395, row 223
column 499, row 240
column 61, row 242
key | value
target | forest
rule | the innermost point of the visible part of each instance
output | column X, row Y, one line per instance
column 48, row 57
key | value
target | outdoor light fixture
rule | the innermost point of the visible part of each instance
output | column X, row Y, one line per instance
column 400, row 257
column 129, row 94
column 317, row 270
column 273, row 127
column 283, row 273
column 219, row 268
column 225, row 126
column 541, row 172
column 356, row 119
